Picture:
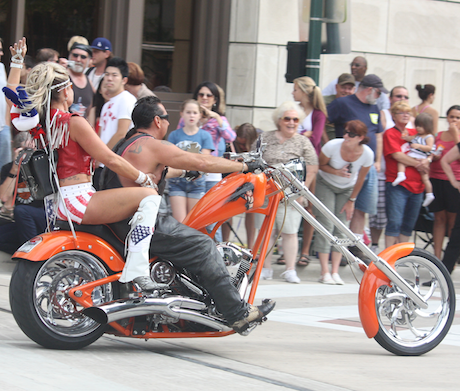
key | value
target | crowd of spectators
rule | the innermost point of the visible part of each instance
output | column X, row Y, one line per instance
column 367, row 151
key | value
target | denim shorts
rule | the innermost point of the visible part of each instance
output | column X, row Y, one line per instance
column 367, row 197
column 403, row 208
column 180, row 187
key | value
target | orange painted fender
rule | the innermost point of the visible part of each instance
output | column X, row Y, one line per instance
column 373, row 279
column 56, row 242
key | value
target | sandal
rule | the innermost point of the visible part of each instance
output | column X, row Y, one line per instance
column 281, row 261
column 304, row 260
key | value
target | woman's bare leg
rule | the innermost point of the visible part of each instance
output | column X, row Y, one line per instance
column 178, row 207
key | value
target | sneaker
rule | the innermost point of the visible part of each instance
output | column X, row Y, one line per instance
column 147, row 284
column 291, row 276
column 327, row 279
column 254, row 314
column 375, row 248
column 337, row 279
column 267, row 274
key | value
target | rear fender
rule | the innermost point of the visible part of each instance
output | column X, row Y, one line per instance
column 51, row 243
column 373, row 279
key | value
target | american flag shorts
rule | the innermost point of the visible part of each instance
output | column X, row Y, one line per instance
column 75, row 199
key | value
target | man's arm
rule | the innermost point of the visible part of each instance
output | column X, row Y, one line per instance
column 122, row 128
column 150, row 154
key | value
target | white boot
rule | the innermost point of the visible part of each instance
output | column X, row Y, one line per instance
column 142, row 227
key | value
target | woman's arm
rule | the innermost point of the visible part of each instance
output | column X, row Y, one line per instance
column 82, row 133
column 349, row 206
column 448, row 158
column 324, row 166
column 14, row 77
column 318, row 120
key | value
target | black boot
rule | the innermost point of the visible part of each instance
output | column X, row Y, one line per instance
column 254, row 315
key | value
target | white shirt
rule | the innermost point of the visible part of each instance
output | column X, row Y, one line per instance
column 118, row 107
column 332, row 150
column 95, row 79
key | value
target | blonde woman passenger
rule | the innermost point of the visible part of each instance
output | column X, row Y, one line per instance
column 50, row 92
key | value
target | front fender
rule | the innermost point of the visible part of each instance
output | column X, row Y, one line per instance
column 373, row 279
column 51, row 243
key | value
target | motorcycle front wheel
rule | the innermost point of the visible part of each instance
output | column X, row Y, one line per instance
column 42, row 307
column 404, row 328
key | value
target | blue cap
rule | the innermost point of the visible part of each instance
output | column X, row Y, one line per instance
column 101, row 44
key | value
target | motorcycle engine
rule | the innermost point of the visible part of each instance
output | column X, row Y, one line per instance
column 237, row 260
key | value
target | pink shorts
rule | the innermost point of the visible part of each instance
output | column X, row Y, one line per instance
column 76, row 199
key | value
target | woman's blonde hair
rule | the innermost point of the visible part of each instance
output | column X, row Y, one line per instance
column 308, row 86
column 40, row 82
column 399, row 106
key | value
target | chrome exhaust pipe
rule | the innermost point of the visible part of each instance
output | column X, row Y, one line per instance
column 174, row 307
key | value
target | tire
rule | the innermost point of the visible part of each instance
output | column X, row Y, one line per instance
column 42, row 308
column 404, row 328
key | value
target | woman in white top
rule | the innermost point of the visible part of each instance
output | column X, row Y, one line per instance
column 343, row 166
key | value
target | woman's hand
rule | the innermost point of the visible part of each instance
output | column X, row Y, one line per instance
column 344, row 171
column 211, row 114
column 19, row 48
column 349, row 209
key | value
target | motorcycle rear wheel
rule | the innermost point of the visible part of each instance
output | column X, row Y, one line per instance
column 404, row 328
column 42, row 307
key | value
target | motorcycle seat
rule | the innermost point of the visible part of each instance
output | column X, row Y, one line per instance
column 105, row 232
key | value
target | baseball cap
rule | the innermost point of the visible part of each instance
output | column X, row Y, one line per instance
column 346, row 78
column 101, row 44
column 373, row 81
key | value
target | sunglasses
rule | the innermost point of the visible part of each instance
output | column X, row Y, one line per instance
column 82, row 56
column 401, row 96
column 202, row 95
column 289, row 119
column 350, row 134
column 164, row 116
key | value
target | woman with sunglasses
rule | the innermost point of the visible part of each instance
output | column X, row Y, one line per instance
column 282, row 145
column 50, row 93
column 343, row 166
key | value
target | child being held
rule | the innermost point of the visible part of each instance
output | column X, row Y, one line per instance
column 422, row 145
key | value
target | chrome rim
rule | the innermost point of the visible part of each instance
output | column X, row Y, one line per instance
column 56, row 277
column 399, row 318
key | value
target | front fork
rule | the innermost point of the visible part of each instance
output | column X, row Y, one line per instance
column 380, row 272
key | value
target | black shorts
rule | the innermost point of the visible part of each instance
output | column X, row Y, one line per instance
column 447, row 197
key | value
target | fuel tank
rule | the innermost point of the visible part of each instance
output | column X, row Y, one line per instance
column 235, row 194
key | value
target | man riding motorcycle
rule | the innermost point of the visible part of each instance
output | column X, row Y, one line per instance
column 145, row 149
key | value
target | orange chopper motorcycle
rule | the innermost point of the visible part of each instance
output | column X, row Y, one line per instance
column 65, row 293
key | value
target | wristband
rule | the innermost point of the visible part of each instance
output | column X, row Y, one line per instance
column 352, row 199
column 10, row 175
column 243, row 169
column 141, row 178
column 16, row 65
column 184, row 172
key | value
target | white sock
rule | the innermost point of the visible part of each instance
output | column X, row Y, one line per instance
column 429, row 197
column 400, row 178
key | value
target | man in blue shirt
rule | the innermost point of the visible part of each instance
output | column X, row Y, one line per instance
column 362, row 106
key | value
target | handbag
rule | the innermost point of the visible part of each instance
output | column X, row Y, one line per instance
column 35, row 170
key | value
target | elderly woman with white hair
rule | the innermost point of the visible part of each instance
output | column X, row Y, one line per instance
column 282, row 145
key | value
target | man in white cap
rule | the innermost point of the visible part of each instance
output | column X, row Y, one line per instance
column 102, row 52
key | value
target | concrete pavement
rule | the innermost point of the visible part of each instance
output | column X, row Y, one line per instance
column 312, row 341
